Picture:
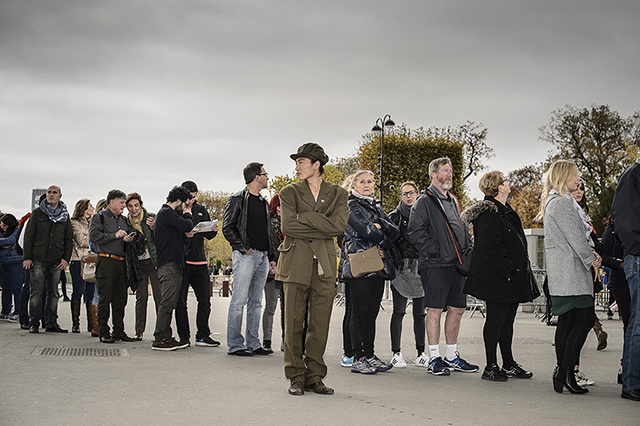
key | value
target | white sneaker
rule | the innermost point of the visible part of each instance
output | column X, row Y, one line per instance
column 422, row 360
column 584, row 380
column 397, row 361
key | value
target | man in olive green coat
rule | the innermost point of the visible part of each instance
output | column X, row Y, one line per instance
column 313, row 213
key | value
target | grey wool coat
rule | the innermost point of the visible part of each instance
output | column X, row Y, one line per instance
column 569, row 255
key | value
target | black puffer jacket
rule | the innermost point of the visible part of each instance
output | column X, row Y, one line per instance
column 499, row 269
column 361, row 234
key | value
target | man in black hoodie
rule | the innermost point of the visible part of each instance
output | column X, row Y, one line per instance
column 196, row 273
column 173, row 221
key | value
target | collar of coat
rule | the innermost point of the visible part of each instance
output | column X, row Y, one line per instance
column 471, row 213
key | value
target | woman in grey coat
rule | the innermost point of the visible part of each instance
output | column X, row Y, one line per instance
column 570, row 256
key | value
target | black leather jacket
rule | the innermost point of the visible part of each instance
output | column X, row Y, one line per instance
column 234, row 225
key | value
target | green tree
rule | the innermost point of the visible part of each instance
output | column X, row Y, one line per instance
column 526, row 187
column 602, row 144
column 218, row 248
column 407, row 154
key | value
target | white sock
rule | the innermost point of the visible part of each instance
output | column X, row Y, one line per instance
column 451, row 352
column 434, row 351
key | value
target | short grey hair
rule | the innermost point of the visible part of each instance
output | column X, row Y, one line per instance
column 435, row 165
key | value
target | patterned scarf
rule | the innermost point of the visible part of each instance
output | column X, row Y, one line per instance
column 136, row 221
column 363, row 197
column 60, row 214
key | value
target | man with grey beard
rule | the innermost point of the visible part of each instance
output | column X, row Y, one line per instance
column 436, row 230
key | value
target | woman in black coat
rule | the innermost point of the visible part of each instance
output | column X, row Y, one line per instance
column 499, row 273
column 368, row 227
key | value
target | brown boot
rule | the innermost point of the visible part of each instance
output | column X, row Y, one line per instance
column 95, row 332
column 602, row 335
column 89, row 318
column 75, row 316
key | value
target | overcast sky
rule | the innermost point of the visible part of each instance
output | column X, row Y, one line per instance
column 142, row 95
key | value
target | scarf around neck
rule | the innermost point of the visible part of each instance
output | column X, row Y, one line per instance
column 136, row 221
column 363, row 197
column 59, row 214
column 586, row 220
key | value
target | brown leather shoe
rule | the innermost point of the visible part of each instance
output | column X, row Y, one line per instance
column 296, row 388
column 122, row 337
column 319, row 387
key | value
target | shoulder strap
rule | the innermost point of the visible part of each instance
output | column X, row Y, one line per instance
column 444, row 215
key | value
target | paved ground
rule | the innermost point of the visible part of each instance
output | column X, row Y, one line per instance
column 206, row 386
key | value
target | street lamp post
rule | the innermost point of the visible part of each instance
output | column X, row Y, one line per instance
column 381, row 123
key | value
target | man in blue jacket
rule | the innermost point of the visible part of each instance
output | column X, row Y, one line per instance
column 173, row 221
column 436, row 230
column 625, row 213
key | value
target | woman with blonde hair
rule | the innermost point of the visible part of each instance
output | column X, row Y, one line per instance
column 570, row 256
column 368, row 227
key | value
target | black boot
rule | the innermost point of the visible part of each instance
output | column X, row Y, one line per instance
column 89, row 319
column 565, row 377
column 75, row 316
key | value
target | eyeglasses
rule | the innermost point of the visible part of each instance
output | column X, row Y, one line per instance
column 506, row 180
column 263, row 174
column 408, row 194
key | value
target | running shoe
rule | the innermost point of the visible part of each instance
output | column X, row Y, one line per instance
column 459, row 364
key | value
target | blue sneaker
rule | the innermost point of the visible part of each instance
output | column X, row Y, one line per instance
column 459, row 364
column 438, row 367
column 4, row 316
column 346, row 361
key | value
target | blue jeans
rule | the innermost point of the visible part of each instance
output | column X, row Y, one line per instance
column 250, row 273
column 44, row 275
column 631, row 350
column 80, row 287
column 11, row 278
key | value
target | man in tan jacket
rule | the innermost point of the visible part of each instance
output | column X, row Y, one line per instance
column 313, row 213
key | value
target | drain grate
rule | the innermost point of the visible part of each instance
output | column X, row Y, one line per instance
column 101, row 352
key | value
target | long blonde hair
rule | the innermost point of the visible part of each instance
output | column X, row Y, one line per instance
column 560, row 172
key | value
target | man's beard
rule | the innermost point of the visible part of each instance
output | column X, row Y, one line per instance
column 179, row 209
column 445, row 185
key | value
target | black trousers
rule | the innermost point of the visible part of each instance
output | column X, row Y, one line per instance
column 366, row 295
column 111, row 281
column 198, row 277
column 498, row 330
